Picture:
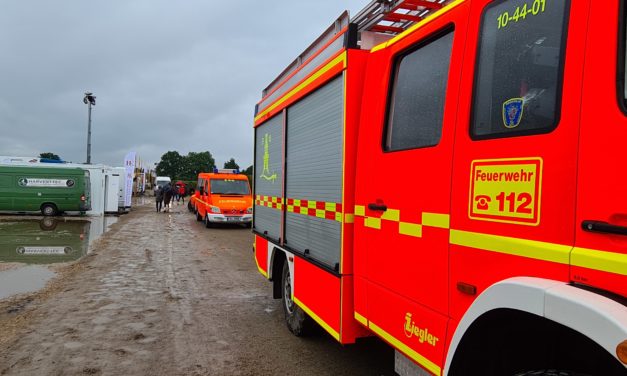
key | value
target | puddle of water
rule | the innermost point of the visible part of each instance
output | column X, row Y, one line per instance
column 45, row 241
column 33, row 243
column 27, row 279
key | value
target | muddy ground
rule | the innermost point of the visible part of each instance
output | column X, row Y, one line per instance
column 162, row 295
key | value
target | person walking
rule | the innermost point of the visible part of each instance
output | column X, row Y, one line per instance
column 167, row 197
column 181, row 192
column 159, row 198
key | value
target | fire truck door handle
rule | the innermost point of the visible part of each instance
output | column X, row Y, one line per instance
column 377, row 207
column 603, row 227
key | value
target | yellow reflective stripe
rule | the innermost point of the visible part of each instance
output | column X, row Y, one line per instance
column 513, row 246
column 263, row 273
column 410, row 229
column 338, row 217
column 320, row 213
column 436, row 220
column 340, row 58
column 348, row 218
column 360, row 210
column 373, row 223
column 599, row 260
column 391, row 215
column 296, row 202
column 290, row 208
column 416, row 26
column 311, row 204
column 323, row 324
column 360, row 318
column 279, row 206
column 418, row 358
column 330, row 206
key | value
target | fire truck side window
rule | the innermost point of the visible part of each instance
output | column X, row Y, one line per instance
column 416, row 106
column 518, row 80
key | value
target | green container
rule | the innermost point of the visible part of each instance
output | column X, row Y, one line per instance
column 47, row 189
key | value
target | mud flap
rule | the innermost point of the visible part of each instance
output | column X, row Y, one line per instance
column 405, row 367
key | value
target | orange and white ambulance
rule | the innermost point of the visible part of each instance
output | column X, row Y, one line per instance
column 450, row 177
column 223, row 196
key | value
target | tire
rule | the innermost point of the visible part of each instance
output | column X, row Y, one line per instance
column 551, row 372
column 49, row 210
column 296, row 319
column 207, row 222
column 198, row 216
column 189, row 206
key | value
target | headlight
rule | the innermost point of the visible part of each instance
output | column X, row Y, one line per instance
column 249, row 210
column 215, row 209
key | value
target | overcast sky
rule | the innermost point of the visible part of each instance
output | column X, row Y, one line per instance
column 168, row 75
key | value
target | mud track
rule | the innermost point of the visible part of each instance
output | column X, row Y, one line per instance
column 162, row 295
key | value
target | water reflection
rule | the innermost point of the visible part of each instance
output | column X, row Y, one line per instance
column 43, row 241
column 46, row 241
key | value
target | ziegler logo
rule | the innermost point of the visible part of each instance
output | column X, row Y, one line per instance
column 422, row 334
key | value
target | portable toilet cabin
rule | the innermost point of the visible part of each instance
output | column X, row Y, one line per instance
column 120, row 172
column 112, row 191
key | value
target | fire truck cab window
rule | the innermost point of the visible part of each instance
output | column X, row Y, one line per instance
column 416, row 106
column 518, row 80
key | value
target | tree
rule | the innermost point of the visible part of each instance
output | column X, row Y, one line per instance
column 249, row 174
column 196, row 163
column 170, row 165
column 50, row 156
column 231, row 164
column 179, row 167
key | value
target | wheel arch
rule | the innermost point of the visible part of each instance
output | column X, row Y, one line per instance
column 277, row 259
column 598, row 318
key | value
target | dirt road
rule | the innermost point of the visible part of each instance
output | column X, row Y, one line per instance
column 162, row 295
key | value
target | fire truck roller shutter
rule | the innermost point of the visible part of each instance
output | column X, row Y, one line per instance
column 314, row 173
column 269, row 177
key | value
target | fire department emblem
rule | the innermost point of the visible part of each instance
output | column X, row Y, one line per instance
column 266, row 174
column 512, row 112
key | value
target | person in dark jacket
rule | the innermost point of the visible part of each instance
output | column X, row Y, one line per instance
column 159, row 198
column 167, row 197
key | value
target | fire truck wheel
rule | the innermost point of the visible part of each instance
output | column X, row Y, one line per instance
column 198, row 217
column 49, row 210
column 189, row 206
column 207, row 222
column 296, row 319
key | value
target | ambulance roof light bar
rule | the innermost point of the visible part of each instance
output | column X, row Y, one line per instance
column 226, row 171
column 394, row 16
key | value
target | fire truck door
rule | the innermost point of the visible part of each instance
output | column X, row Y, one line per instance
column 403, row 185
column 599, row 258
column 514, row 176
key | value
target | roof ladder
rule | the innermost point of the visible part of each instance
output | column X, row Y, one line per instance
column 392, row 17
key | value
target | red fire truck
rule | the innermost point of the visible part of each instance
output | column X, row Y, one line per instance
column 449, row 176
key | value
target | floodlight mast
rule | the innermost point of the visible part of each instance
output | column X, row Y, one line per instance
column 89, row 100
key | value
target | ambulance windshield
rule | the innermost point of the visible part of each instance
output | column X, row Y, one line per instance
column 229, row 187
